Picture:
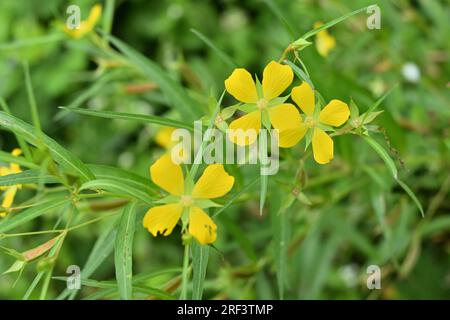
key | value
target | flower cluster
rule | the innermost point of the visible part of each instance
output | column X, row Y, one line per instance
column 286, row 117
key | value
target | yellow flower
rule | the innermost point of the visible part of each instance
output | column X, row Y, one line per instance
column 164, row 137
column 186, row 202
column 276, row 79
column 10, row 191
column 87, row 25
column 324, row 41
column 335, row 113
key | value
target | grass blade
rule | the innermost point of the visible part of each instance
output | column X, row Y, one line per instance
column 222, row 55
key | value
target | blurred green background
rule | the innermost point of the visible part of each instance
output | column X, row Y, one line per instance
column 357, row 215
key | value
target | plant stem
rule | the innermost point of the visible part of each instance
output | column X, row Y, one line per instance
column 185, row 273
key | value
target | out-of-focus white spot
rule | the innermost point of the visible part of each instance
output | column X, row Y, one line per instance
column 349, row 273
column 126, row 159
column 175, row 11
column 411, row 72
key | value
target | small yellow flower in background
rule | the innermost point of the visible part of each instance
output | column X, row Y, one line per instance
column 87, row 25
column 335, row 113
column 164, row 137
column 276, row 79
column 324, row 41
column 184, row 203
column 10, row 191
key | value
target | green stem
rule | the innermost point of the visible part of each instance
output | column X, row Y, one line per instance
column 185, row 273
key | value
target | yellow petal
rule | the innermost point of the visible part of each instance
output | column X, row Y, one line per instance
column 290, row 137
column 8, row 198
column 162, row 219
column 164, row 137
column 245, row 130
column 168, row 175
column 16, row 152
column 276, row 79
column 241, row 86
column 325, row 43
column 335, row 113
column 303, row 96
column 201, row 226
column 322, row 146
column 285, row 116
column 214, row 182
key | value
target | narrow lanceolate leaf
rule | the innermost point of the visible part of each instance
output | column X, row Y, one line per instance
column 26, row 177
column 327, row 25
column 61, row 155
column 119, row 188
column 384, row 155
column 412, row 196
column 377, row 104
column 134, row 180
column 300, row 73
column 132, row 117
column 393, row 169
column 222, row 55
column 123, row 252
column 16, row 220
column 179, row 98
column 200, row 256
column 7, row 157
column 101, row 250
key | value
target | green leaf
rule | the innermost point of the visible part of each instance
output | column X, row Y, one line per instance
column 280, row 226
column 9, row 158
column 384, row 155
column 200, row 255
column 300, row 73
column 126, row 177
column 132, row 117
column 412, row 196
column 119, row 188
column 61, row 155
column 123, row 252
column 16, row 220
column 222, row 55
column 327, row 25
column 376, row 105
column 32, row 99
column 174, row 92
column 18, row 265
column 101, row 250
column 27, row 177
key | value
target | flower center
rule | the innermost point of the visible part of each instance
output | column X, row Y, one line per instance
column 186, row 201
column 309, row 122
column 262, row 103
